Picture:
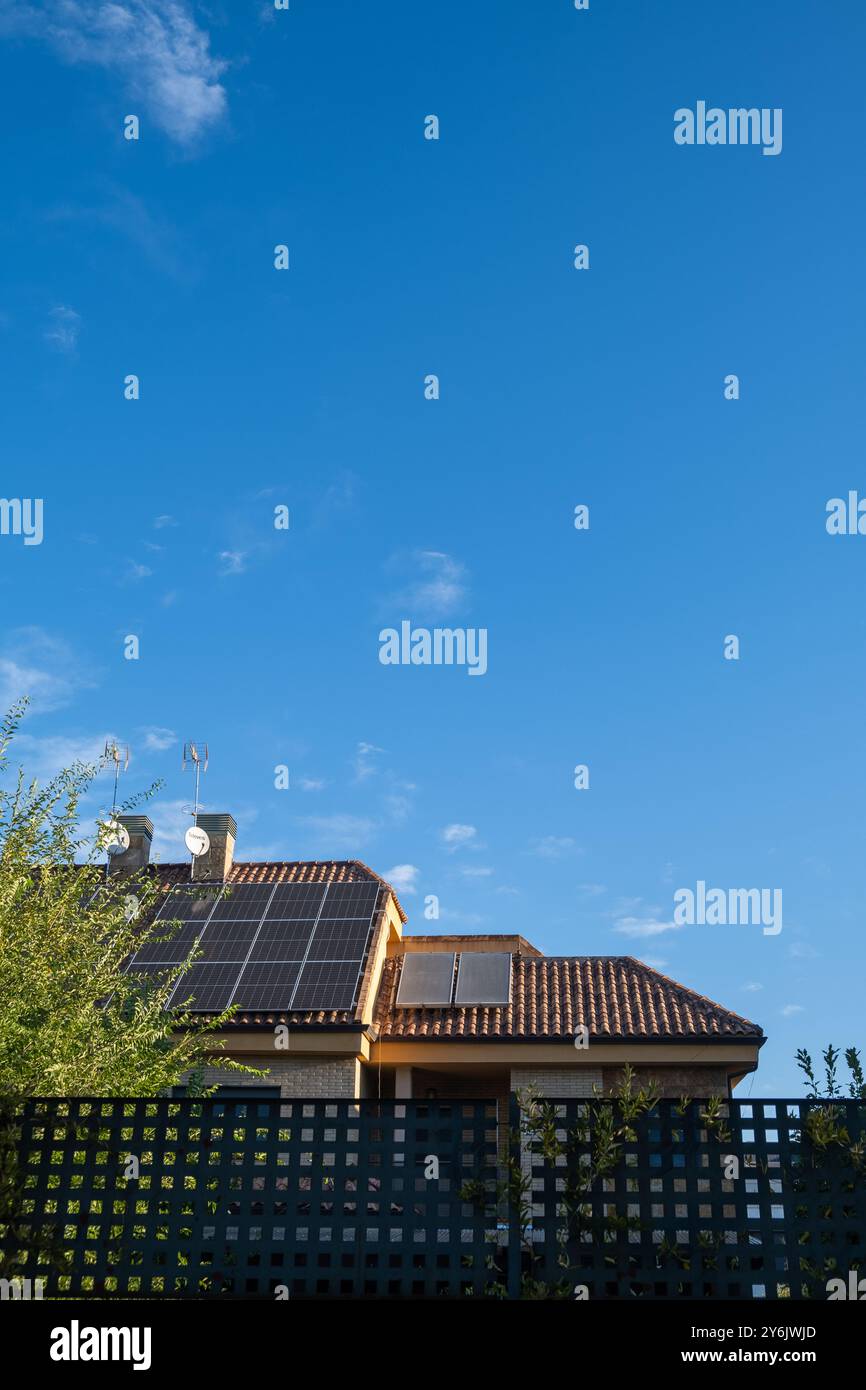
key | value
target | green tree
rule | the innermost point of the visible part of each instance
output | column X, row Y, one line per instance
column 71, row 1021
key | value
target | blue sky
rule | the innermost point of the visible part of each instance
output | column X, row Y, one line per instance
column 558, row 387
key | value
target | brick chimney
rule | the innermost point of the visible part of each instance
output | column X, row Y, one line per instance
column 140, row 838
column 222, row 833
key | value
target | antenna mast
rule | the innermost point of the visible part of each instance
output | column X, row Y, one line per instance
column 197, row 752
column 117, row 753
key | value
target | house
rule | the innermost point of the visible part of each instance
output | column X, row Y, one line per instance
column 336, row 998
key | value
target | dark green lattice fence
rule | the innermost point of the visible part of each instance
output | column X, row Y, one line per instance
column 337, row 1198
column 667, row 1222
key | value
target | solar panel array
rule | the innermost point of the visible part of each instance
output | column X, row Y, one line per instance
column 427, row 979
column 264, row 946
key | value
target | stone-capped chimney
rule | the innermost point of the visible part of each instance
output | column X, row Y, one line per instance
column 140, row 830
column 222, row 833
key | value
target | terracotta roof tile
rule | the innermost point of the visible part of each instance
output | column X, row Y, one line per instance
column 617, row 997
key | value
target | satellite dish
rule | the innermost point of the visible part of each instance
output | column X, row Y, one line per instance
column 116, row 838
column 197, row 841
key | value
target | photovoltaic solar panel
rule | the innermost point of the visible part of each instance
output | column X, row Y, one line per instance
column 266, row 986
column 245, row 903
column 483, row 978
column 210, row 986
column 281, row 941
column 301, row 900
column 326, row 985
column 340, row 940
column 188, row 905
column 168, row 949
column 228, row 940
column 426, row 979
column 344, row 900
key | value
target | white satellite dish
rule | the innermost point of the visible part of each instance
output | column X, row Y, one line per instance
column 117, row 837
column 197, row 841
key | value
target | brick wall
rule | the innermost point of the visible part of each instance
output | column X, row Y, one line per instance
column 325, row 1077
column 557, row 1081
column 673, row 1082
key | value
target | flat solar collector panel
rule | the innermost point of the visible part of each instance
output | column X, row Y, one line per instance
column 484, row 977
column 426, row 979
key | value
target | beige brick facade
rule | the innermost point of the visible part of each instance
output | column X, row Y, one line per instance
column 673, row 1082
column 325, row 1077
column 563, row 1082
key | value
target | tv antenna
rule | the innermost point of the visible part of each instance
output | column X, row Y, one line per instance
column 197, row 840
column 117, row 753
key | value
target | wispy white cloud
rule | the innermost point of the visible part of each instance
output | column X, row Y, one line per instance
column 157, row 739
column 752, row 987
column 789, row 1010
column 593, row 890
column 46, row 668
column 63, row 328
column 801, row 950
column 155, row 46
column 310, row 784
column 151, row 234
column 553, row 847
column 232, row 562
column 340, row 831
column 160, row 522
column 644, row 927
column 171, row 820
column 135, row 572
column 464, row 919
column 403, row 877
column 438, row 586
column 476, row 871
column 364, row 761
column 398, row 802
column 457, row 836
column 44, row 757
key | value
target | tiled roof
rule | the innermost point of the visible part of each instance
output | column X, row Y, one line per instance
column 285, row 871
column 616, row 997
